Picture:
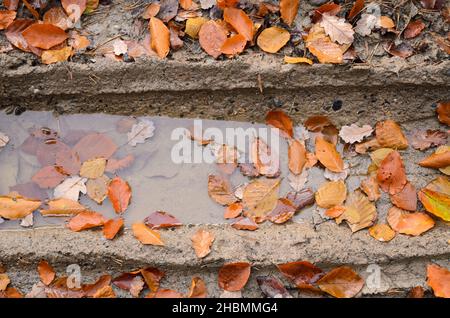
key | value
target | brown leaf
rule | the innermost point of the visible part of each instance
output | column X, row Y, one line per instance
column 443, row 111
column 114, row 165
column 341, row 282
column 104, row 292
column 74, row 8
column 436, row 160
column 160, row 37
column 17, row 207
column 327, row 154
column 272, row 39
column 283, row 212
column 212, row 36
column 193, row 26
column 240, row 21
column 390, row 135
column 11, row 292
column 46, row 272
column 4, row 281
column 168, row 10
column 416, row 292
column 6, row 18
column 272, row 287
column 219, row 189
column 112, row 227
column 330, row 8
column 97, row 189
column 391, row 174
column 160, row 220
column 11, row 4
column 288, row 10
column 201, row 242
column 264, row 158
column 409, row 223
column 325, row 50
column 146, row 235
column 413, row 29
column 356, row 8
column 424, row 139
column 301, row 199
column 233, row 210
column 245, row 223
column 86, row 220
column 137, row 284
column 44, row 36
column 226, row 3
column 337, row 29
column 317, row 123
column 302, row 273
column 68, row 160
column 331, row 193
column 124, row 280
column 198, row 288
column 382, row 232
column 48, row 177
column 296, row 156
column 58, row 17
column 119, row 193
column 360, row 212
column 279, row 119
column 152, row 276
column 97, row 289
column 402, row 50
column 233, row 45
column 151, row 10
column 14, row 33
column 234, row 276
column 406, row 199
column 371, row 188
column 47, row 151
column 62, row 206
column 95, row 145
column 260, row 197
column 438, row 278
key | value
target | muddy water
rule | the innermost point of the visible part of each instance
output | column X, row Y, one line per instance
column 157, row 182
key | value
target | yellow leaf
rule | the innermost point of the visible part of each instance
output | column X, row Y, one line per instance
column 93, row 168
column 14, row 208
column 146, row 235
column 382, row 232
column 55, row 56
column 261, row 196
column 297, row 60
column 331, row 194
column 193, row 26
column 62, row 206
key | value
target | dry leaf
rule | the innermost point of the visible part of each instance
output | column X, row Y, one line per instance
column 260, row 197
column 366, row 24
column 6, row 18
column 193, row 26
column 97, row 189
column 336, row 176
column 44, row 36
column 4, row 281
column 331, row 194
column 283, row 211
column 212, row 36
column 168, row 10
column 296, row 156
column 58, row 17
column 413, row 29
column 27, row 221
column 341, row 282
column 379, row 155
column 330, row 8
column 438, row 278
column 288, row 10
column 272, row 39
column 297, row 60
column 265, row 159
column 233, row 210
column 233, row 45
column 201, row 242
column 356, row 8
column 198, row 288
column 48, row 177
column 409, row 223
column 137, row 284
column 272, row 287
column 406, row 199
column 402, row 50
column 390, row 135
column 437, row 160
column 151, row 11
column 119, row 193
column 382, row 232
column 112, row 227
column 160, row 219
column 219, row 189
column 164, row 293
column 95, row 145
column 365, row 211
column 335, row 211
column 17, row 207
column 443, row 111
column 234, row 276
column 435, row 197
column 147, row 236
column 322, row 47
column 240, row 21
column 302, row 273
column 327, row 154
column 337, row 29
column 114, row 165
column 74, row 8
column 14, row 33
column 78, row 42
column 152, row 276
column 279, row 119
column 245, row 223
column 353, row 133
column 46, row 272
column 86, row 220
column 371, row 188
column 391, row 174
column 62, row 207
column 386, row 22
column 298, row 181
column 424, row 139
column 416, row 292
column 71, row 188
column 160, row 37
column 140, row 131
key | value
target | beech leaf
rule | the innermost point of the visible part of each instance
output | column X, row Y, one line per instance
column 201, row 242
column 234, row 276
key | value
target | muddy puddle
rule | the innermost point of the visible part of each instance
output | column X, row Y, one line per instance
column 158, row 183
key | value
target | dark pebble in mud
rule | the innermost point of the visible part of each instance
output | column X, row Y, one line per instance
column 337, row 105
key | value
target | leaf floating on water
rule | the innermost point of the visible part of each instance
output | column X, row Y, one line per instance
column 62, row 207
column 353, row 133
column 3, row 140
column 341, row 282
column 95, row 145
column 438, row 278
column 146, row 235
column 119, row 193
column 408, row 223
column 283, row 211
column 264, row 158
column 114, row 165
column 160, row 219
column 219, row 189
column 233, row 210
column 260, row 197
column 302, row 198
column 97, row 189
column 272, row 287
column 17, row 207
column 93, row 168
column 86, row 220
column 71, row 188
column 201, row 242
column 141, row 131
column 48, row 177
column 27, row 221
column 234, row 276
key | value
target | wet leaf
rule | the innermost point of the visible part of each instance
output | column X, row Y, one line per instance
column 337, row 29
column 234, row 276
column 124, row 280
column 233, row 210
column 219, row 189
column 245, row 223
column 272, row 39
column 47, row 151
column 437, row 160
column 201, row 242
column 114, row 165
column 438, row 278
column 382, row 232
column 443, row 111
column 297, row 60
column 58, row 17
column 119, row 193
column 330, row 194
column 62, row 207
column 48, row 177
column 240, row 21
column 260, row 197
column 424, row 139
column 354, row 133
column 356, row 8
column 409, row 223
column 71, row 188
column 233, row 45
column 288, row 10
column 371, row 188
column 152, row 276
column 390, row 135
column 14, row 33
column 406, row 199
column 27, row 221
column 341, row 282
column 435, row 197
column 95, row 145
column 160, row 219
column 86, row 220
column 402, row 50
column 391, row 174
column 193, row 26
column 302, row 273
column 296, row 156
column 6, row 18
column 17, row 207
column 112, row 227
column 46, row 272
column 327, row 154
column 212, row 36
column 68, row 160
column 279, row 119
column 272, row 287
column 283, row 212
column 264, row 158
column 360, row 212
column 298, row 181
column 141, row 131
column 413, row 29
column 97, row 189
column 198, row 288
column 44, row 36
column 93, row 168
column 30, row 190
column 146, row 235
column 3, row 140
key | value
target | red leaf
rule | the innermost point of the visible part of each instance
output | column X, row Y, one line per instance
column 240, row 21
column 357, row 7
column 160, row 219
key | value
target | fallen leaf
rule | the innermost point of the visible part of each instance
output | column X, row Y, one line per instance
column 441, row 150
column 371, row 188
column 212, row 36
column 402, row 50
column 233, row 210
column 424, row 139
column 124, row 280
column 322, row 47
column 104, row 292
column 317, row 123
column 228, row 294
column 146, row 235
column 114, row 165
column 233, row 45
column 78, row 42
column 160, row 37
column 152, row 277
column 297, row 60
column 93, row 168
column 327, row 154
column 302, row 273
column 160, row 219
column 409, row 223
column 413, row 29
column 91, row 5
column 379, row 155
column 354, row 133
column 47, row 151
column 443, row 111
column 44, row 36
column 356, row 8
column 240, row 21
column 382, row 232
column 198, row 288
column 74, row 8
column 95, row 145
column 86, row 220
column 71, row 188
column 296, row 157
column 435, row 197
column 13, row 208
column 30, row 190
column 364, row 147
column 335, row 211
column 272, row 287
column 151, row 11
column 437, row 160
column 201, row 242
column 193, row 26
column 260, row 197
column 27, row 221
column 245, row 223
column 219, row 189
column 416, row 292
column 366, row 212
column 4, row 281
column 207, row 4
column 385, row 22
column 62, row 207
column 337, row 29
column 390, row 135
column 46, row 272
column 58, row 17
column 48, row 177
column 227, row 3
column 3, row 140
column 406, row 199
column 168, row 10
column 330, row 8
column 264, row 158
column 336, row 176
column 11, row 292
column 283, row 211
column 279, row 119
column 6, row 18
column 97, row 189
column 298, row 181
column 341, row 282
column 234, row 276
column 140, row 131
column 272, row 39
column 391, row 174
column 331, row 194
column 366, row 24
column 112, row 227
column 14, row 33
column 288, row 10
column 119, row 193
column 438, row 278
column 69, row 161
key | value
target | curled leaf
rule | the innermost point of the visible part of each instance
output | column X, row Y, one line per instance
column 406, row 199
column 198, row 288
column 272, row 287
column 296, row 156
column 390, row 135
column 353, row 133
column 17, row 207
column 219, row 189
column 46, row 272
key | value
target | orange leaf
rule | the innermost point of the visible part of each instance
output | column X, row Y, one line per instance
column 86, row 220
column 288, row 10
column 198, row 288
column 227, row 3
column 112, row 227
column 390, row 135
column 406, row 199
column 6, row 18
column 151, row 10
column 55, row 56
column 278, row 119
column 330, row 8
column 14, row 33
column 438, row 278
column 17, row 207
column 147, row 236
column 272, row 39
column 160, row 37
column 95, row 145
column 46, row 272
column 327, row 154
column 212, row 36
column 74, row 8
column 160, row 219
column 443, row 111
column 357, row 7
column 341, row 282
column 240, row 21
column 436, row 160
column 245, row 223
column 62, row 206
column 201, row 242
column 234, row 276
column 302, row 273
column 58, row 17
column 335, row 211
column 219, row 189
column 233, row 210
column 234, row 45
column 391, row 173
column 44, row 36
column 283, row 211
column 186, row 4
column 97, row 288
column 382, row 232
column 386, row 22
column 119, row 192
column 152, row 277
column 409, row 223
column 296, row 156
column 326, row 51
